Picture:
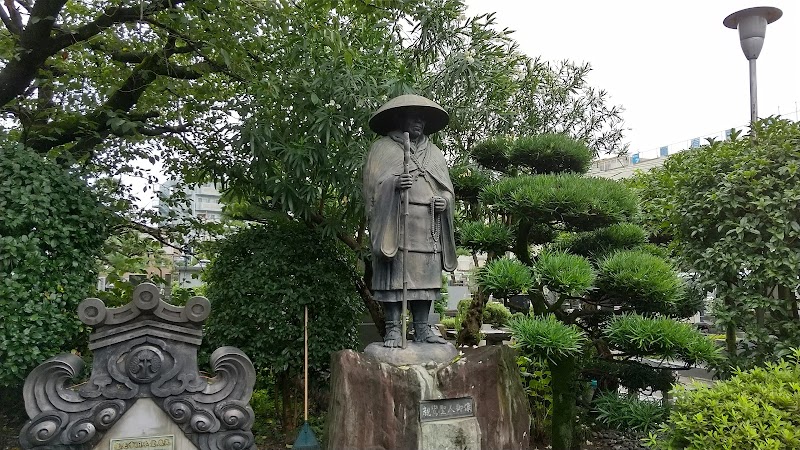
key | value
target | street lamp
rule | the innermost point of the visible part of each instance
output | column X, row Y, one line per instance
column 752, row 26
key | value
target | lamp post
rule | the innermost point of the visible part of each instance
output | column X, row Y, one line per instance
column 752, row 26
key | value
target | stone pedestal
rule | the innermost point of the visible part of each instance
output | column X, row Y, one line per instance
column 375, row 405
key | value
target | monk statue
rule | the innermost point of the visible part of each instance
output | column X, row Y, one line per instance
column 417, row 247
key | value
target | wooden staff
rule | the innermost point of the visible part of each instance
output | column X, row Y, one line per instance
column 305, row 366
column 406, row 159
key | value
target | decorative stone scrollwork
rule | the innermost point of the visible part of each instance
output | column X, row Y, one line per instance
column 146, row 348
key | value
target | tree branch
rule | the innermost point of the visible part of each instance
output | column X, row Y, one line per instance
column 35, row 44
column 10, row 25
column 163, row 129
column 31, row 50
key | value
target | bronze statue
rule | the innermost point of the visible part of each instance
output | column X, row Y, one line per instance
column 409, row 203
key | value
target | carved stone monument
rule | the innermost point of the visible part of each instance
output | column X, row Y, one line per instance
column 145, row 389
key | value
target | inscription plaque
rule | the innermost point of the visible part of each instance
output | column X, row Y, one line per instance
column 145, row 442
column 448, row 408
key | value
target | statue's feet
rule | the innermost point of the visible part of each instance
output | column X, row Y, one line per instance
column 423, row 333
column 392, row 339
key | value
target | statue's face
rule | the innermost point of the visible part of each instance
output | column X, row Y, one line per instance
column 414, row 125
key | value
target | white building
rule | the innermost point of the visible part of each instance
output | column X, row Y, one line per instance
column 203, row 204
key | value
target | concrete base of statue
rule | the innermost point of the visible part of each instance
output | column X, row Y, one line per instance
column 472, row 401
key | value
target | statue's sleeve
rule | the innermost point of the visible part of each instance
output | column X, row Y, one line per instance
column 381, row 199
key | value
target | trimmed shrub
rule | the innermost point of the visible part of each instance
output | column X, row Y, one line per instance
column 493, row 153
column 639, row 279
column 496, row 314
column 577, row 203
column 594, row 244
column 642, row 336
column 469, row 181
column 494, row 237
column 551, row 153
column 756, row 409
column 564, row 273
column 505, row 277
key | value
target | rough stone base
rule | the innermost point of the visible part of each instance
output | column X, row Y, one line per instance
column 413, row 354
column 375, row 405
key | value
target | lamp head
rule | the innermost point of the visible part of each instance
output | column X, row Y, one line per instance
column 752, row 26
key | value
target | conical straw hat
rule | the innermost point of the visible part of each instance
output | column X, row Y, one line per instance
column 383, row 120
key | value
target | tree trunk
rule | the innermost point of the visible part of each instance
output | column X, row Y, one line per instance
column 521, row 249
column 730, row 330
column 375, row 311
column 563, row 373
column 289, row 412
column 469, row 334
column 538, row 302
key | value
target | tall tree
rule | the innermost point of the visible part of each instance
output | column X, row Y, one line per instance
column 729, row 211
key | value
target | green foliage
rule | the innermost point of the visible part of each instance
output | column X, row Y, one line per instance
column 643, row 336
column 51, row 232
column 575, row 202
column 546, row 337
column 536, row 380
column 564, row 273
column 550, row 153
column 630, row 412
column 639, row 279
column 258, row 284
column 468, row 181
column 463, row 306
column 596, row 243
column 493, row 153
column 448, row 322
column 496, row 314
column 758, row 409
column 505, row 277
column 635, row 377
column 731, row 208
column 494, row 237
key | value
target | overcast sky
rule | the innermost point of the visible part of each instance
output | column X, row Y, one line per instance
column 677, row 71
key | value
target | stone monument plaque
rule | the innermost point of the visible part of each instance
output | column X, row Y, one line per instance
column 146, row 442
column 448, row 408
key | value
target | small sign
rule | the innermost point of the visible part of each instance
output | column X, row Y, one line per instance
column 448, row 408
column 144, row 442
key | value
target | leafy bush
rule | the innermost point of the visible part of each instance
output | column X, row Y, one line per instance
column 536, row 379
column 493, row 153
column 625, row 412
column 496, row 314
column 51, row 232
column 505, row 277
column 564, row 273
column 551, row 153
column 756, row 409
column 258, row 284
column 638, row 335
column 448, row 322
column 639, row 279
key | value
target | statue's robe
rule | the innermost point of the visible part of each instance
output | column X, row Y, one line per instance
column 430, row 240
